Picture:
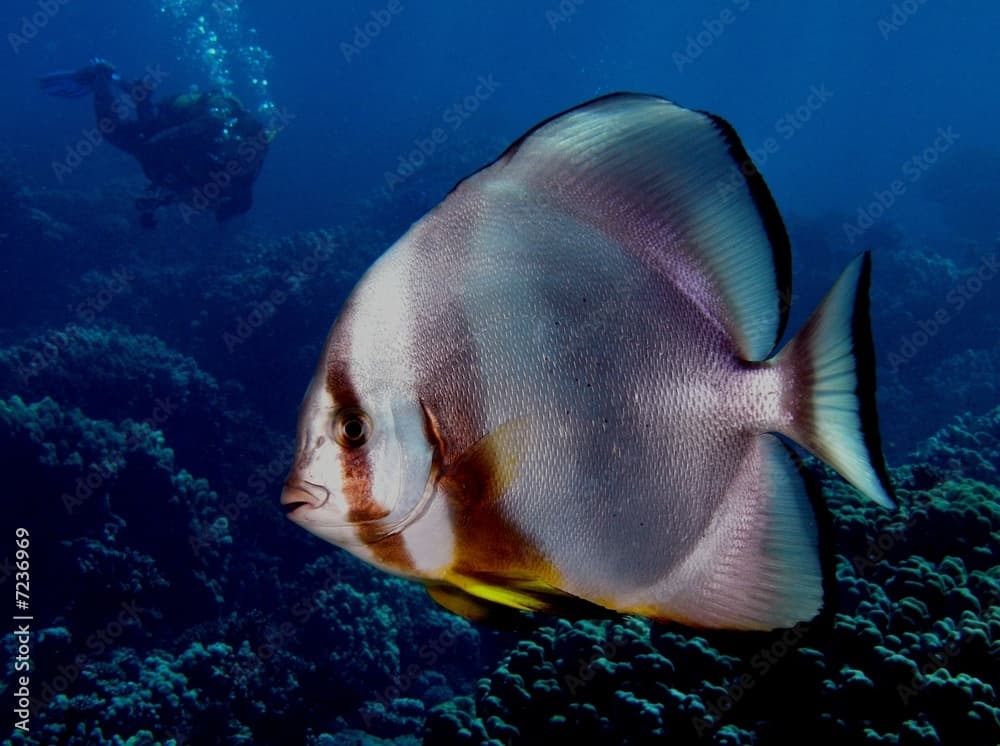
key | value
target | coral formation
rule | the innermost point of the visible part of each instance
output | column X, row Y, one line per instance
column 147, row 392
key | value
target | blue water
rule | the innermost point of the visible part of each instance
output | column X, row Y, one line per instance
column 150, row 379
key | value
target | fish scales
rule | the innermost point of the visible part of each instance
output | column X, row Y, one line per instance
column 557, row 392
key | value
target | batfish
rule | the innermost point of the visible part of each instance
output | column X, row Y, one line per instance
column 561, row 389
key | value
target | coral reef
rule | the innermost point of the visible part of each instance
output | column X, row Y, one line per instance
column 147, row 396
column 158, row 637
column 115, row 513
column 114, row 375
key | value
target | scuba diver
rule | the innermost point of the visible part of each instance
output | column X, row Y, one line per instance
column 202, row 149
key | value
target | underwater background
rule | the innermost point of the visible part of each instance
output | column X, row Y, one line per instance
column 150, row 379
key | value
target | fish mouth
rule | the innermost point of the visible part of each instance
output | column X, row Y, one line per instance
column 300, row 497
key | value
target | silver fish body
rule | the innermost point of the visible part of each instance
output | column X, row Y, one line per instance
column 555, row 390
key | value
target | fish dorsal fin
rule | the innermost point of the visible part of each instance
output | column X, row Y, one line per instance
column 676, row 188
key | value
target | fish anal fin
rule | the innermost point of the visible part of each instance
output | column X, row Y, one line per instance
column 758, row 566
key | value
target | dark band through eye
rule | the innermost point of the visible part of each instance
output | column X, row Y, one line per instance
column 352, row 428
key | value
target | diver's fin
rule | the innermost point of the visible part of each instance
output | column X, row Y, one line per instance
column 758, row 565
column 832, row 362
column 65, row 84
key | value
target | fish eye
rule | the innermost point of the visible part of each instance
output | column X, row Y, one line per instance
column 352, row 428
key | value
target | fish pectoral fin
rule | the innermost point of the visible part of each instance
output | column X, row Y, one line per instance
column 485, row 471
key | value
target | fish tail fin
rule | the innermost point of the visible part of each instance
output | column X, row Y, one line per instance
column 828, row 374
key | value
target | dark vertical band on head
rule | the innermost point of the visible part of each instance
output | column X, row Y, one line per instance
column 357, row 470
column 355, row 464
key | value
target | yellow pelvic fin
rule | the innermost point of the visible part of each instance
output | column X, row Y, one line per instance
column 525, row 594
column 459, row 602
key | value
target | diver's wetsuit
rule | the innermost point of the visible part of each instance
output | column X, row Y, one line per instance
column 202, row 148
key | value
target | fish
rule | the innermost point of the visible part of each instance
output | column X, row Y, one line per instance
column 561, row 390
